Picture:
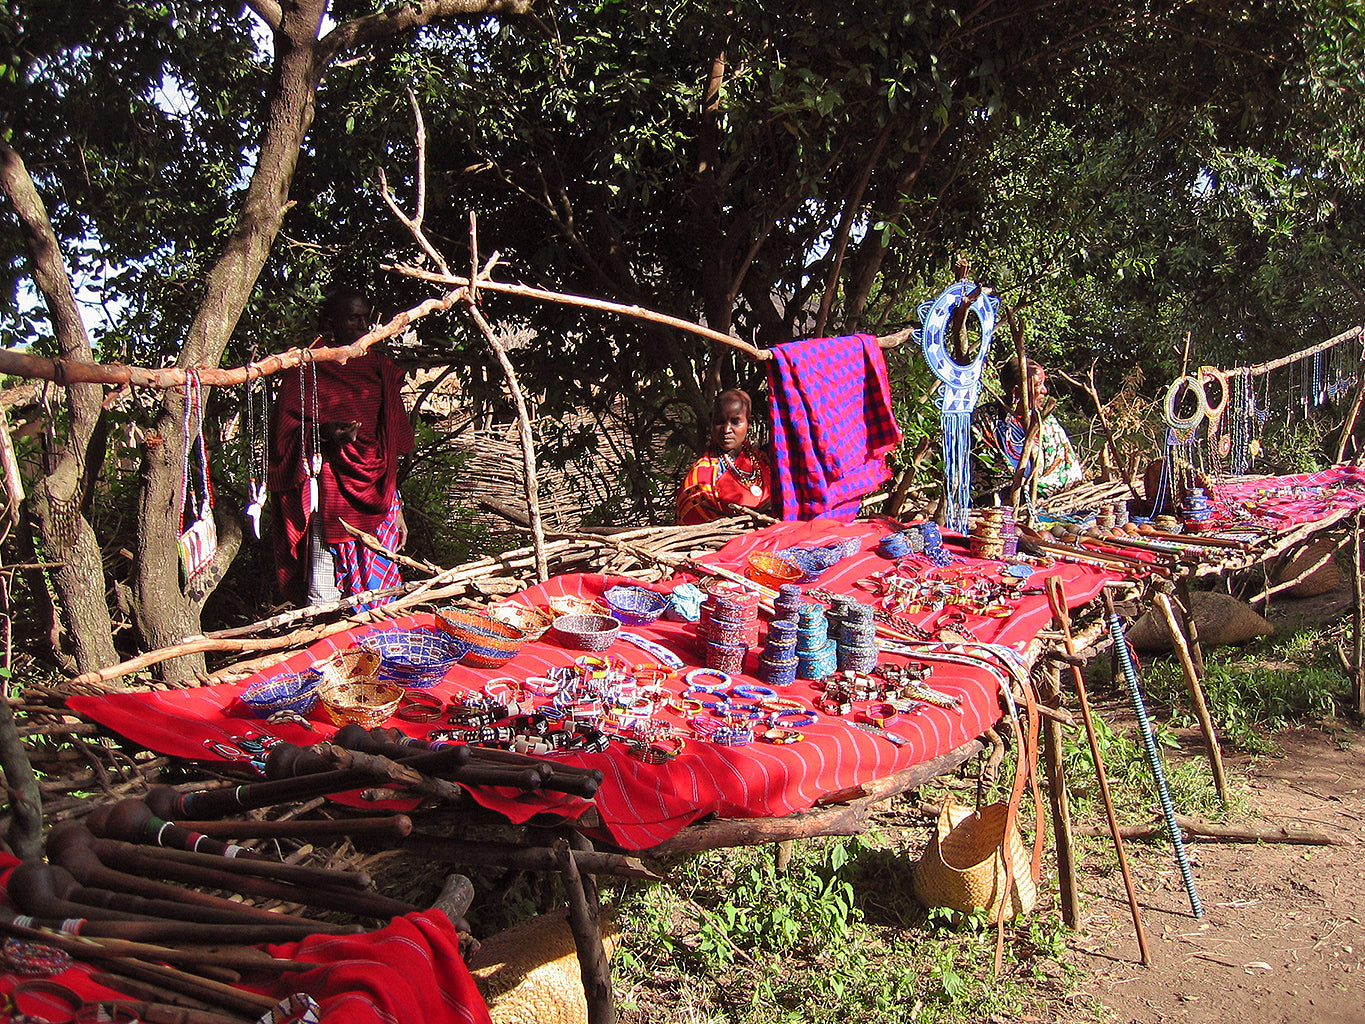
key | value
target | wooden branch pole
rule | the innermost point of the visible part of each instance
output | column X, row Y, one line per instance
column 1358, row 614
column 1191, row 624
column 1162, row 603
column 528, row 451
column 1054, row 765
column 587, row 933
column 1056, row 597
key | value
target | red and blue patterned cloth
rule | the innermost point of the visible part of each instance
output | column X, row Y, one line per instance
column 832, row 425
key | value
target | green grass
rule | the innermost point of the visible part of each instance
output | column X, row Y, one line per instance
column 836, row 938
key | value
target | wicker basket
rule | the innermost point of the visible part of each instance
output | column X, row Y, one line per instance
column 531, row 621
column 292, row 691
column 491, row 642
column 368, row 703
column 962, row 867
column 771, row 570
column 414, row 658
column 635, row 606
column 587, row 632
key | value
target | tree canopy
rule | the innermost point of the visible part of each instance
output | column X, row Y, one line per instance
column 1122, row 173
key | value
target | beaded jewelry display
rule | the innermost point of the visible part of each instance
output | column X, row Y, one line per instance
column 961, row 387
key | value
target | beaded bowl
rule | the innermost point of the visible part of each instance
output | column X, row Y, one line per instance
column 492, row 643
column 353, row 664
column 531, row 621
column 414, row 658
column 570, row 604
column 367, row 703
column 635, row 606
column 587, row 632
column 292, row 691
column 771, row 570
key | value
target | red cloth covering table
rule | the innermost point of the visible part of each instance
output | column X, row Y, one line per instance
column 410, row 970
column 639, row 804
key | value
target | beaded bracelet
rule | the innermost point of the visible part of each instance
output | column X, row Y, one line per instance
column 542, row 686
column 776, row 735
column 732, row 735
column 708, row 699
column 722, row 679
column 882, row 714
column 833, row 706
column 752, row 691
column 791, row 718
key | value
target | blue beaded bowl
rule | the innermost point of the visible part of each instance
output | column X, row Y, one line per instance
column 292, row 691
column 414, row 658
column 635, row 606
column 490, row 642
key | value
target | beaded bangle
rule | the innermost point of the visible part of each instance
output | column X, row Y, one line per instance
column 722, row 679
column 732, row 735
column 791, row 718
column 542, row 686
column 700, row 696
column 684, row 706
column 882, row 714
column 753, row 691
column 776, row 735
column 703, row 726
column 782, row 704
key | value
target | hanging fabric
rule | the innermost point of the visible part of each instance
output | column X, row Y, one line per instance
column 959, row 391
column 198, row 541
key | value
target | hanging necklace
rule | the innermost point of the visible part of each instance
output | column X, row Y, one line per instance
column 752, row 479
column 311, row 447
column 257, row 456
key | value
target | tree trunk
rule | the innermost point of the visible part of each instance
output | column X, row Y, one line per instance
column 56, row 501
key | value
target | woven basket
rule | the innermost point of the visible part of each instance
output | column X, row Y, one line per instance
column 414, row 658
column 587, row 632
column 772, row 570
column 292, row 691
column 530, row 974
column 367, row 703
column 531, row 621
column 962, row 867
column 492, row 643
column 635, row 606
column 352, row 665
column 571, row 605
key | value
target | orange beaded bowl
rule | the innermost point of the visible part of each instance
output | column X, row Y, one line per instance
column 771, row 570
column 492, row 642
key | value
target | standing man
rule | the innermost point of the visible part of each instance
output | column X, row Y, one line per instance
column 339, row 443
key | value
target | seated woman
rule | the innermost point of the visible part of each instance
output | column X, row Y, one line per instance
column 731, row 472
column 1060, row 466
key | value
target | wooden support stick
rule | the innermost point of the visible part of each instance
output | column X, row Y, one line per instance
column 1187, row 619
column 1054, row 765
column 1201, row 708
column 1223, row 833
column 1358, row 615
column 587, row 934
column 1056, row 597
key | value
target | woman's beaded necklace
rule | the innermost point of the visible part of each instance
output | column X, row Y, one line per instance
column 753, row 479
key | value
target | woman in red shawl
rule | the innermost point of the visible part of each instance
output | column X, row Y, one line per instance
column 337, row 438
column 732, row 472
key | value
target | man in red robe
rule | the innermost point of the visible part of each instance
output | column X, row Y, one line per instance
column 338, row 438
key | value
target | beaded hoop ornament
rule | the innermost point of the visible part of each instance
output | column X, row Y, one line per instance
column 1214, row 413
column 1184, row 427
column 960, row 391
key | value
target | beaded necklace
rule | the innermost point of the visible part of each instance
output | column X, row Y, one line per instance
column 961, row 387
column 753, row 479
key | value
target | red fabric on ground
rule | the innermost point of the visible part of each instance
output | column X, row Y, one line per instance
column 409, row 970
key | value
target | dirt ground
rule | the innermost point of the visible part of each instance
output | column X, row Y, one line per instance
column 1282, row 938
